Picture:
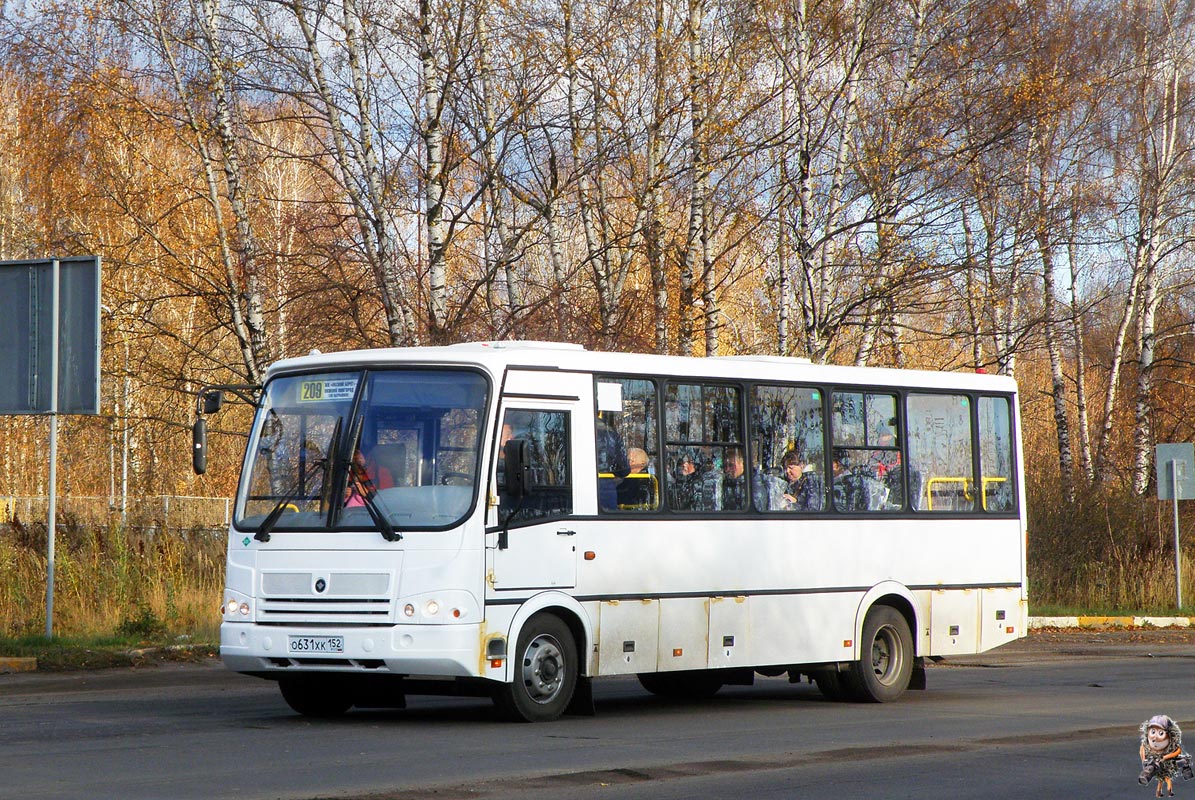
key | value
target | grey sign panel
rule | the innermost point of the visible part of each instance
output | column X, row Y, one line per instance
column 26, row 336
column 18, row 341
column 79, row 336
column 1180, row 458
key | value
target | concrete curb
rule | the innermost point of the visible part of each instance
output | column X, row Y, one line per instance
column 1109, row 622
column 13, row 664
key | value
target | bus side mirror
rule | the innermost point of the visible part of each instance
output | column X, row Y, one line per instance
column 199, row 446
column 213, row 401
column 517, row 455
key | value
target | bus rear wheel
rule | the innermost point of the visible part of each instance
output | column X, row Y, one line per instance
column 314, row 696
column 545, row 672
column 698, row 684
column 885, row 665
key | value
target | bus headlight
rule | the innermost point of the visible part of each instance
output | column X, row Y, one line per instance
column 441, row 607
column 236, row 608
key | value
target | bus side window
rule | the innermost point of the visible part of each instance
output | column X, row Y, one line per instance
column 940, row 455
column 866, row 469
column 787, row 444
column 550, row 493
column 703, row 445
column 626, row 445
column 997, row 490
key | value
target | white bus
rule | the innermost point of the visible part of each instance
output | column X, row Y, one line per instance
column 514, row 519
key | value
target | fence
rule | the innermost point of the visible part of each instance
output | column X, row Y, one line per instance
column 157, row 511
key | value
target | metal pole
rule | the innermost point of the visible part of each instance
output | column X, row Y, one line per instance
column 1178, row 560
column 52, row 509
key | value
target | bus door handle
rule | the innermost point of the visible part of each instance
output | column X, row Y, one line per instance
column 566, row 533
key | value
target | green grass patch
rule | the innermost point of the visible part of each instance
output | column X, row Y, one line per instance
column 74, row 653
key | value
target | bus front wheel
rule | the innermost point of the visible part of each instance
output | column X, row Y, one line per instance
column 545, row 672
column 885, row 665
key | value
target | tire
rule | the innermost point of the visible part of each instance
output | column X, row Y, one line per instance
column 886, row 658
column 545, row 672
column 316, row 697
column 697, row 684
column 831, row 685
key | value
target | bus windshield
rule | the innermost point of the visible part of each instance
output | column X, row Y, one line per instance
column 333, row 449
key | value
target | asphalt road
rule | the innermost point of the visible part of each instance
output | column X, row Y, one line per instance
column 1053, row 716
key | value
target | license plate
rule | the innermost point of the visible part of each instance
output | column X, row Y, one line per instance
column 317, row 644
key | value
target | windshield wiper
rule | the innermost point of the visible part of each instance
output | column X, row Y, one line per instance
column 267, row 524
column 379, row 518
column 368, row 493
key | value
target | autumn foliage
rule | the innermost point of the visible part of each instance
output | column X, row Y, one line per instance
column 946, row 184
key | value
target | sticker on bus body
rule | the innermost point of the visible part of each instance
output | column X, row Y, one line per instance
column 327, row 390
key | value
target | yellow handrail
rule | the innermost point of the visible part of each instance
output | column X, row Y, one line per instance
column 929, row 489
column 966, row 484
column 985, row 482
column 655, row 491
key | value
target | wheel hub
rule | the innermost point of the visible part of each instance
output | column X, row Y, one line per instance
column 543, row 668
column 885, row 655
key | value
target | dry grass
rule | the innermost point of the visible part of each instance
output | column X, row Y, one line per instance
column 112, row 582
column 1106, row 552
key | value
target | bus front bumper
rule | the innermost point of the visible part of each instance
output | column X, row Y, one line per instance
column 412, row 650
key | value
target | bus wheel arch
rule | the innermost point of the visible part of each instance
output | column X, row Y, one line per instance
column 894, row 595
column 887, row 653
column 545, row 664
column 547, row 667
column 570, row 612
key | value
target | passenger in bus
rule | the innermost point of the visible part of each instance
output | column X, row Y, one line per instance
column 638, row 460
column 734, row 481
column 849, row 491
column 686, row 483
column 890, row 473
column 637, row 489
column 805, row 491
column 360, row 483
column 612, row 464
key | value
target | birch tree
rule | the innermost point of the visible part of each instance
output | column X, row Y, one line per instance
column 1160, row 186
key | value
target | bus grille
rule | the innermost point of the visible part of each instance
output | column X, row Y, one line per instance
column 331, row 597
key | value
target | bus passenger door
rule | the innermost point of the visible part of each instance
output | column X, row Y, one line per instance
column 534, row 544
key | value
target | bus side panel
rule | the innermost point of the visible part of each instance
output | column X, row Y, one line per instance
column 730, row 641
column 684, row 633
column 954, row 622
column 628, row 635
column 803, row 629
column 1000, row 619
